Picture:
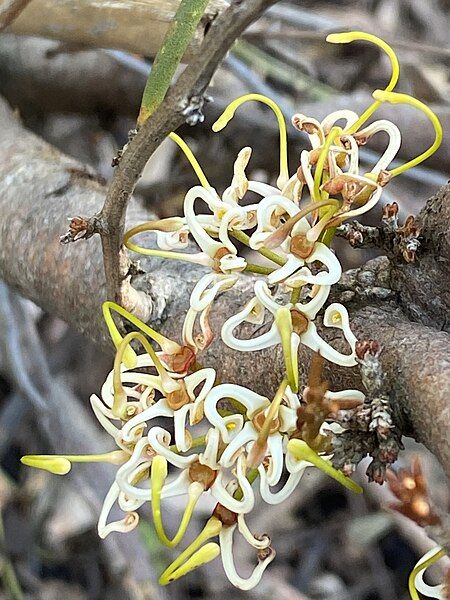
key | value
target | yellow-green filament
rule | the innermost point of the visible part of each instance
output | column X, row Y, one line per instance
column 272, row 414
column 160, row 225
column 395, row 98
column 332, row 135
column 245, row 239
column 421, row 567
column 211, row 529
column 61, row 464
column 260, row 270
column 158, row 478
column 191, row 158
column 283, row 320
column 352, row 36
column 129, row 357
column 168, row 254
column 295, row 295
column 120, row 396
column 301, row 451
column 228, row 114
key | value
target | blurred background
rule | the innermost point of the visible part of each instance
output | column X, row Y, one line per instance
column 83, row 99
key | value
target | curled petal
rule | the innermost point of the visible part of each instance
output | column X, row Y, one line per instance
column 124, row 525
column 208, row 376
column 266, row 209
column 231, row 263
column 276, row 461
column 202, row 297
column 306, row 169
column 226, row 547
column 281, row 495
column 288, row 418
column 182, row 439
column 264, row 295
column 237, row 444
column 313, row 340
column 259, row 543
column 159, row 409
column 236, row 214
column 209, row 456
column 252, row 401
column 336, row 315
column 104, row 416
column 353, row 167
column 263, row 189
column 206, row 243
column 159, row 440
column 349, row 116
column 311, row 308
column 327, row 257
column 266, row 340
column 132, row 497
column 174, row 240
column 224, row 497
column 393, row 147
column 289, row 268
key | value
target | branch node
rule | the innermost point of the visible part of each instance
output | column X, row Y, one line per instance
column 82, row 228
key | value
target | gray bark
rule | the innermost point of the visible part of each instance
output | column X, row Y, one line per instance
column 403, row 306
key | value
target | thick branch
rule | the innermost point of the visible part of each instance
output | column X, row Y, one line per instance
column 39, row 187
column 10, row 10
column 137, row 27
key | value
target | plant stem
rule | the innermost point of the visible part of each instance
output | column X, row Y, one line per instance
column 244, row 238
column 258, row 269
column 170, row 54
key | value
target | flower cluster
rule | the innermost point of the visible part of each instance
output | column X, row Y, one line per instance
column 166, row 412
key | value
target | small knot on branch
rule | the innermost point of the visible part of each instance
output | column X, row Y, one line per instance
column 81, row 228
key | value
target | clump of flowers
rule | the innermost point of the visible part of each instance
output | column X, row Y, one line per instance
column 218, row 439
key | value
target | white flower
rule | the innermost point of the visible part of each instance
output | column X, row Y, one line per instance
column 303, row 328
column 226, row 551
column 256, row 411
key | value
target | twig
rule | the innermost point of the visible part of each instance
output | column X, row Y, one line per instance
column 170, row 54
column 183, row 102
column 9, row 10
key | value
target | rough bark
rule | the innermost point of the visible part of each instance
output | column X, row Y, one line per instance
column 40, row 188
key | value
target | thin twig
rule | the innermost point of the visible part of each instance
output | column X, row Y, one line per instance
column 184, row 102
column 9, row 10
